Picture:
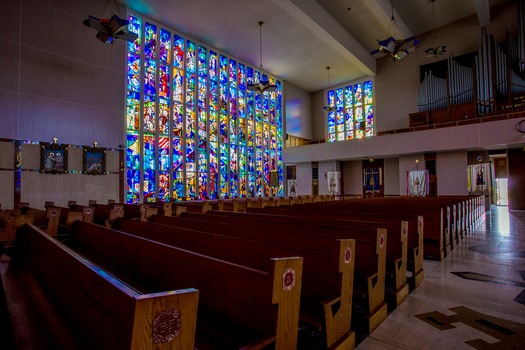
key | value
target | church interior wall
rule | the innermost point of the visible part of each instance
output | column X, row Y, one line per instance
column 298, row 111
column 451, row 173
column 56, row 79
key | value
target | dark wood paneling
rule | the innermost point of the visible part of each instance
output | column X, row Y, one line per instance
column 516, row 159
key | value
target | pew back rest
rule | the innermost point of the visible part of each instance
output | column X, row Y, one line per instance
column 107, row 311
column 244, row 296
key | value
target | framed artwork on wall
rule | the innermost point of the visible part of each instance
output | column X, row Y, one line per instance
column 53, row 157
column 94, row 160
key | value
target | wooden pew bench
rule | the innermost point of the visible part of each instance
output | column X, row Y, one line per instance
column 372, row 262
column 452, row 215
column 57, row 299
column 327, row 275
column 106, row 214
column 331, row 225
column 434, row 238
column 238, row 306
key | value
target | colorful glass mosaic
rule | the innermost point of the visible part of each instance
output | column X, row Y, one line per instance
column 193, row 129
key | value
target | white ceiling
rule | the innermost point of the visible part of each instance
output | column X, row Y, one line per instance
column 300, row 38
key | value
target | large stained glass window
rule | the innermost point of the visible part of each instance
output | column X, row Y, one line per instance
column 351, row 115
column 194, row 130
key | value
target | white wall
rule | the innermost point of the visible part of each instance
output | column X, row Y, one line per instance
column 353, row 177
column 304, row 178
column 451, row 171
column 56, row 78
column 319, row 121
column 298, row 112
column 391, row 177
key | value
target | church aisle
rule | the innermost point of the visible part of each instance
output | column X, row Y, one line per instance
column 474, row 299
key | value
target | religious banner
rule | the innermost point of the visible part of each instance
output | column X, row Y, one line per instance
column 479, row 178
column 372, row 181
column 333, row 182
column 292, row 187
column 417, row 183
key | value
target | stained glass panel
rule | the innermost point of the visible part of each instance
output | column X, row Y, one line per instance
column 149, row 114
column 367, row 87
column 133, row 76
column 190, row 56
column 178, row 51
column 358, row 94
column 165, row 46
column 150, row 40
column 134, row 27
column 164, row 81
column 177, row 155
column 178, row 185
column 133, row 111
column 149, row 76
column 164, row 113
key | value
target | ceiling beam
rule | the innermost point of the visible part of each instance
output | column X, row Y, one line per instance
column 383, row 11
column 311, row 13
column 483, row 11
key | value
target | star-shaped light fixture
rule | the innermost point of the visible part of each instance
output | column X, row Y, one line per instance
column 433, row 52
column 262, row 85
column 396, row 48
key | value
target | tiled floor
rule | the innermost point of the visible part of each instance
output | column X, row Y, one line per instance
column 474, row 299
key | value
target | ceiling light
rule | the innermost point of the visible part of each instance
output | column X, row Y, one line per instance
column 396, row 48
column 262, row 85
column 435, row 51
column 111, row 28
column 330, row 106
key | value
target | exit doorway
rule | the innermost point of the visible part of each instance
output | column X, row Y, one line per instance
column 502, row 192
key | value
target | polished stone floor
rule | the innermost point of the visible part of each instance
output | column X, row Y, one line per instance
column 473, row 299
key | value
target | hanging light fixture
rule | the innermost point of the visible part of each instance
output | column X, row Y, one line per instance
column 111, row 28
column 328, row 107
column 262, row 85
column 396, row 48
column 433, row 52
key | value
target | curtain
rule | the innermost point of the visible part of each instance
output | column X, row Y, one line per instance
column 292, row 188
column 372, row 180
column 333, row 182
column 417, row 183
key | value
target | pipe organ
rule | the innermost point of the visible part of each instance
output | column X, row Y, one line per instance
column 490, row 77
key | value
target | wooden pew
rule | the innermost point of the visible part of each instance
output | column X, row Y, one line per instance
column 370, row 255
column 433, row 220
column 57, row 299
column 12, row 222
column 327, row 275
column 455, row 215
column 106, row 214
column 238, row 305
column 334, row 226
column 414, row 233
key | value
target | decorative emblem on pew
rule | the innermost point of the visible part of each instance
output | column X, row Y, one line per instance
column 404, row 231
column 88, row 211
column 381, row 241
column 348, row 255
column 53, row 213
column 166, row 326
column 288, row 279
